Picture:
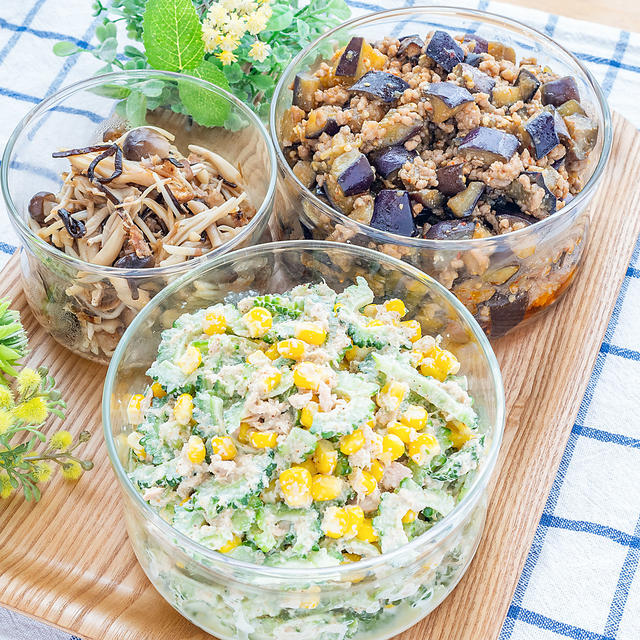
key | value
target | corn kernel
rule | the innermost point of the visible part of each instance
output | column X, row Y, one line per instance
column 214, row 323
column 390, row 397
column 271, row 380
column 401, row 431
column 423, row 447
column 310, row 332
column 190, row 360
column 409, row 517
column 396, row 305
column 243, row 432
column 291, row 348
column 295, row 484
column 366, row 532
column 325, row 457
column 392, row 446
column 309, row 465
column 351, row 557
column 230, row 545
column 258, row 320
column 370, row 311
column 439, row 363
column 157, row 390
column 460, row 433
column 272, row 352
column 133, row 440
column 355, row 517
column 377, row 470
column 224, row 447
column 196, row 451
column 263, row 439
column 134, row 409
column 368, row 482
column 307, row 375
column 335, row 522
column 337, row 306
column 325, row 487
column 183, row 409
column 310, row 602
column 415, row 417
column 307, row 412
column 351, row 443
column 258, row 358
column 415, row 330
column 375, row 323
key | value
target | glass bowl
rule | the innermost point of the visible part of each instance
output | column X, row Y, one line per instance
column 372, row 599
column 503, row 280
column 61, row 289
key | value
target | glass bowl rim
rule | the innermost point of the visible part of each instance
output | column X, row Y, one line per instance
column 433, row 536
column 585, row 194
column 28, row 236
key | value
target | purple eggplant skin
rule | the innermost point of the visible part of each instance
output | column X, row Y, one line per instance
column 380, row 84
column 410, row 47
column 353, row 172
column 557, row 92
column 475, row 80
column 451, row 179
column 542, row 131
column 527, row 83
column 473, row 59
column 481, row 46
column 304, row 88
column 464, row 202
column 522, row 197
column 348, row 63
column 489, row 144
column 395, row 131
column 505, row 312
column 549, row 201
column 446, row 99
column 392, row 213
column 451, row 230
column 444, row 51
column 560, row 125
column 389, row 160
column 431, row 199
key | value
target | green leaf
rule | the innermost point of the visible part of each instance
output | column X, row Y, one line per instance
column 66, row 48
column 303, row 29
column 115, row 91
column 261, row 82
column 234, row 73
column 151, row 88
column 172, row 35
column 205, row 107
column 338, row 9
column 136, row 108
column 107, row 51
column 281, row 18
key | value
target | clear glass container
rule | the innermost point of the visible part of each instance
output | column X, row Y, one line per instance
column 503, row 280
column 372, row 599
column 61, row 288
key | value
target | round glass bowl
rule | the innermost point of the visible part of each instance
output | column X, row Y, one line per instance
column 503, row 280
column 84, row 306
column 372, row 599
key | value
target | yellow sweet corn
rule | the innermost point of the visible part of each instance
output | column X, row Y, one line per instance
column 414, row 329
column 309, row 465
column 335, row 522
column 271, row 380
column 390, row 397
column 196, row 451
column 401, row 431
column 243, row 432
column 370, row 311
column 258, row 321
column 324, row 487
column 133, row 440
column 409, row 517
column 263, row 439
column 214, row 323
column 366, row 531
column 310, row 332
column 351, row 443
column 392, row 446
column 157, row 390
column 325, row 457
column 377, row 470
column 190, row 360
column 291, row 348
column 230, row 545
column 272, row 352
column 307, row 412
column 396, row 305
column 183, row 409
column 307, row 375
column 224, row 447
column 439, row 363
column 368, row 482
column 375, row 323
column 423, row 447
column 258, row 358
column 460, row 433
column 295, row 484
column 134, row 409
column 355, row 517
column 415, row 417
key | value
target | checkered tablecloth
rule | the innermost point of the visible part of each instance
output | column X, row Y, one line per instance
column 581, row 578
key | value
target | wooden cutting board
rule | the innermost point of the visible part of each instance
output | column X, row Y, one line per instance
column 67, row 560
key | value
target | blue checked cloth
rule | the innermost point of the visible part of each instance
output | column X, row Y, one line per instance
column 581, row 577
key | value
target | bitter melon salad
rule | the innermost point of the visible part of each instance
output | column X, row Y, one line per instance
column 304, row 429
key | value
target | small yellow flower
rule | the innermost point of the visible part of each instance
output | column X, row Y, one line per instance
column 256, row 23
column 5, row 485
column 230, row 5
column 71, row 470
column 226, row 57
column 6, row 399
column 217, row 14
column 42, row 471
column 259, row 51
column 212, row 38
column 32, row 411
column 236, row 26
column 6, row 420
column 61, row 440
column 229, row 43
column 28, row 381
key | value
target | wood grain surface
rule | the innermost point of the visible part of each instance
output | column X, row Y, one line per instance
column 67, row 560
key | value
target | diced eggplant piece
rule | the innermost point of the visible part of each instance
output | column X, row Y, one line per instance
column 523, row 196
column 446, row 99
column 452, row 230
column 304, row 87
column 410, row 47
column 506, row 311
column 527, row 83
column 321, row 120
column 389, row 161
column 335, row 195
column 473, row 59
column 557, row 92
column 481, row 45
column 451, row 180
column 542, row 132
column 463, row 203
column 363, row 209
column 501, row 51
column 428, row 198
column 444, row 51
column 505, row 95
column 500, row 275
column 392, row 213
column 584, row 134
column 348, row 61
column 508, row 210
column 396, row 131
column 570, row 107
column 475, row 80
column 303, row 171
column 352, row 172
column 289, row 127
column 380, row 84
column 489, row 144
column 561, row 127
